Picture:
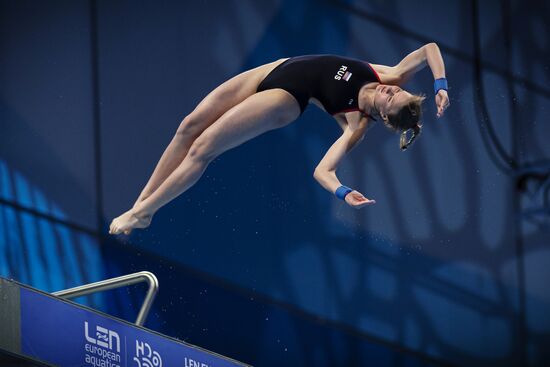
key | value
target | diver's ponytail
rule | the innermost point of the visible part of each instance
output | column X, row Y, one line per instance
column 407, row 118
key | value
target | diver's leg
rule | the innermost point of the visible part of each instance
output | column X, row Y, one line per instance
column 257, row 114
column 211, row 108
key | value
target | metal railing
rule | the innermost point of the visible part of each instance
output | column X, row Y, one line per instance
column 123, row 281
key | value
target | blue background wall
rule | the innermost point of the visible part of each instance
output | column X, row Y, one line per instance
column 450, row 265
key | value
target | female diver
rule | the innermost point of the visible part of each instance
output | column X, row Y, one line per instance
column 271, row 96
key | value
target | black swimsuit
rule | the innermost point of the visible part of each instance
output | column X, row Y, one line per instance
column 333, row 80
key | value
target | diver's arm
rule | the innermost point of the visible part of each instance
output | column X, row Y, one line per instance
column 428, row 54
column 325, row 172
column 417, row 60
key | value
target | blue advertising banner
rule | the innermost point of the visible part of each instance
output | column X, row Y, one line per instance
column 66, row 335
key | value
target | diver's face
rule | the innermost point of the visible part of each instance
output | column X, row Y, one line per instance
column 389, row 99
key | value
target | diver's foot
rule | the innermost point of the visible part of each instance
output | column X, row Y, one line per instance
column 129, row 221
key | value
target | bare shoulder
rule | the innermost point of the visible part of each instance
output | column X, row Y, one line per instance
column 387, row 74
column 356, row 120
column 341, row 120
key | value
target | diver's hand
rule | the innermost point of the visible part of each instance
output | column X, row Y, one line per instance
column 442, row 102
column 357, row 200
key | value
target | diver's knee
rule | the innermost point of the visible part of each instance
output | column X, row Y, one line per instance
column 189, row 127
column 202, row 150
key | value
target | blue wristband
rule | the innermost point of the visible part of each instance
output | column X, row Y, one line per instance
column 440, row 83
column 342, row 191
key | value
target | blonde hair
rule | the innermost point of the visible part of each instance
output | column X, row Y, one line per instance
column 408, row 118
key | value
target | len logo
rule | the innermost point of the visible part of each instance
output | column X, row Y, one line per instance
column 103, row 337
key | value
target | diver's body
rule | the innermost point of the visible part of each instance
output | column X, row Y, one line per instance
column 334, row 81
column 273, row 95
